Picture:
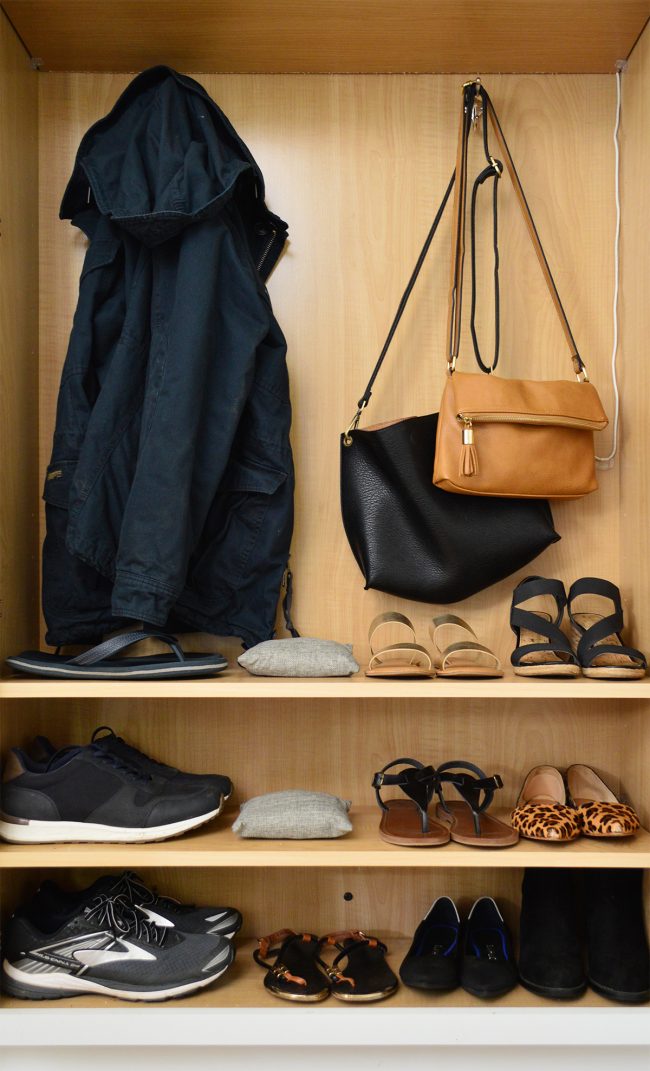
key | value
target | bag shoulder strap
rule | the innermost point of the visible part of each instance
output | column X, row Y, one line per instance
column 365, row 397
column 472, row 92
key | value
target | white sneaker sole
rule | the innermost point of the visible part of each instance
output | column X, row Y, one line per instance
column 57, row 985
column 31, row 831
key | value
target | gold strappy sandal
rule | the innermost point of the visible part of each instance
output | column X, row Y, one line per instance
column 397, row 660
column 465, row 657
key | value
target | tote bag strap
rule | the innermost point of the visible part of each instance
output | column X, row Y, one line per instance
column 474, row 92
column 365, row 397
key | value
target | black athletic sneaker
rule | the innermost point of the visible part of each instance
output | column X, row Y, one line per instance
column 107, row 947
column 163, row 911
column 87, row 794
column 43, row 750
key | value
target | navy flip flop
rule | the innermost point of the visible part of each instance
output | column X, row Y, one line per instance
column 100, row 663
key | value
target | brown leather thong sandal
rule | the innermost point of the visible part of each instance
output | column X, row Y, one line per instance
column 468, row 823
column 407, row 822
column 295, row 974
column 397, row 660
column 601, row 812
column 464, row 657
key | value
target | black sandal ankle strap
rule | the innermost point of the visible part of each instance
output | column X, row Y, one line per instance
column 533, row 586
column 417, row 781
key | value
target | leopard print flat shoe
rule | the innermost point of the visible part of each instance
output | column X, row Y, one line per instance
column 543, row 811
column 601, row 813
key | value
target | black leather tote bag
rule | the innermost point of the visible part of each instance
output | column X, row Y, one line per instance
column 411, row 539
column 415, row 541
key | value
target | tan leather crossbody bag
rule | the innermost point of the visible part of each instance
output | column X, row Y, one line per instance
column 511, row 438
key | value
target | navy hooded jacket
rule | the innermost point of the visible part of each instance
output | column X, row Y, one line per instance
column 169, row 497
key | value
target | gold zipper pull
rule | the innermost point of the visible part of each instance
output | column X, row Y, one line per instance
column 468, row 461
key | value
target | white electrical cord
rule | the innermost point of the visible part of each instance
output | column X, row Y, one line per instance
column 607, row 461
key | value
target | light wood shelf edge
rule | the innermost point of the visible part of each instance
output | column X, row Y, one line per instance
column 219, row 847
column 238, row 684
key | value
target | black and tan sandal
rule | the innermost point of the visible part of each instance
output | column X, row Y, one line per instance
column 295, row 974
column 464, row 656
column 408, row 822
column 596, row 632
column 601, row 812
column 397, row 660
column 359, row 972
column 467, row 820
column 542, row 648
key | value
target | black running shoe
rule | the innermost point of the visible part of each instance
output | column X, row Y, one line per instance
column 42, row 750
column 107, row 947
column 163, row 911
column 87, row 794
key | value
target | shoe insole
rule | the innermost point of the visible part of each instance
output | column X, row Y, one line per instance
column 402, row 824
column 400, row 671
column 494, row 833
column 439, row 941
column 543, row 784
column 489, row 944
column 586, row 786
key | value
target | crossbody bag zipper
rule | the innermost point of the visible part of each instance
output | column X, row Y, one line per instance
column 468, row 462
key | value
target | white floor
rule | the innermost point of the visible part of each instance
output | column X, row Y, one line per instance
column 385, row 1059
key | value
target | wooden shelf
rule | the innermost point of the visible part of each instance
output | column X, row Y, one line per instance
column 331, row 36
column 218, row 846
column 236, row 683
column 242, row 987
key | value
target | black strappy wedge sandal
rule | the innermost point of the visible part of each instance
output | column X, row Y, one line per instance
column 597, row 636
column 407, row 822
column 473, row 827
column 534, row 656
column 295, row 974
column 366, row 976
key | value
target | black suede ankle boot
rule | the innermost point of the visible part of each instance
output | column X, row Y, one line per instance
column 550, row 955
column 618, row 960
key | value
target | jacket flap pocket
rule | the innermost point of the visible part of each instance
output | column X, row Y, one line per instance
column 100, row 252
column 58, row 481
column 495, row 399
column 247, row 476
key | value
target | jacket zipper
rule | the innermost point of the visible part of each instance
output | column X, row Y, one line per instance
column 468, row 461
column 267, row 249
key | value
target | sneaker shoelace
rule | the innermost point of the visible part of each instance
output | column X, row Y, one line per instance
column 104, row 732
column 114, row 913
column 134, row 773
column 133, row 889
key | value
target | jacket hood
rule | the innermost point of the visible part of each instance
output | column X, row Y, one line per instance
column 164, row 157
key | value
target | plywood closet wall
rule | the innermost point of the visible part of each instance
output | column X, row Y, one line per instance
column 358, row 165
